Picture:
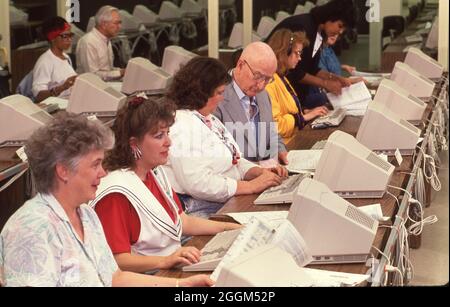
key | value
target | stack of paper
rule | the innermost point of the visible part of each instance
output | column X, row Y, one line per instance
column 354, row 99
column 301, row 161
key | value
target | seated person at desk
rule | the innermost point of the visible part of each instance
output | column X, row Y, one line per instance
column 205, row 165
column 53, row 74
column 323, row 21
column 286, row 106
column 94, row 49
column 246, row 110
column 54, row 239
column 141, row 215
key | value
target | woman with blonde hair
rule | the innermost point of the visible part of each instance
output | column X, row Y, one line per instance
column 286, row 106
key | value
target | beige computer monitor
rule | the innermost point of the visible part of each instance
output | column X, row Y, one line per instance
column 281, row 15
column 412, row 81
column 129, row 22
column 143, row 75
column 398, row 100
column 145, row 15
column 383, row 131
column 91, row 95
column 265, row 26
column 352, row 170
column 175, row 57
column 191, row 7
column 334, row 230
column 19, row 118
column 236, row 37
column 170, row 10
column 424, row 64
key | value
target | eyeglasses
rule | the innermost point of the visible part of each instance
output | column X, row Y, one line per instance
column 257, row 76
column 298, row 53
column 66, row 35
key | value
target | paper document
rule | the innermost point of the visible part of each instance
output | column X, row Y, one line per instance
column 323, row 278
column 414, row 39
column 258, row 233
column 274, row 218
column 374, row 211
column 60, row 102
column 301, row 160
column 370, row 74
column 357, row 93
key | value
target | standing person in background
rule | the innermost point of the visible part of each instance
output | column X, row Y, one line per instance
column 53, row 74
column 323, row 21
column 286, row 105
column 94, row 49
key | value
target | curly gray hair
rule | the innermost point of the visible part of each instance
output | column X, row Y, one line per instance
column 104, row 14
column 66, row 139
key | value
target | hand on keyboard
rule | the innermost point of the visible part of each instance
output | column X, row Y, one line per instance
column 332, row 119
column 266, row 180
column 183, row 256
column 313, row 113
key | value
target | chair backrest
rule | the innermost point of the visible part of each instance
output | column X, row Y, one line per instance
column 393, row 25
column 25, row 86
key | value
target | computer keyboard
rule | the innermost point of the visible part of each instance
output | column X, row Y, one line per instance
column 332, row 119
column 282, row 194
column 214, row 251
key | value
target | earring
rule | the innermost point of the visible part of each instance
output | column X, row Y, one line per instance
column 137, row 153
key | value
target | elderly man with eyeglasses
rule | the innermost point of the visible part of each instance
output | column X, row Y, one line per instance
column 94, row 50
column 246, row 110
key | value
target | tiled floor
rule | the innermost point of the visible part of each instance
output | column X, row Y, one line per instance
column 431, row 260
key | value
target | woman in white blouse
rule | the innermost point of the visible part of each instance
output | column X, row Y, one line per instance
column 205, row 165
column 53, row 74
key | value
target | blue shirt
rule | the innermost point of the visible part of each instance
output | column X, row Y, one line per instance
column 330, row 62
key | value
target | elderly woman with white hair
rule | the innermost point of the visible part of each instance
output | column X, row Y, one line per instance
column 94, row 50
column 55, row 239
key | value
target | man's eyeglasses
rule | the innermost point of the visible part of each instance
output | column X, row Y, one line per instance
column 66, row 35
column 257, row 76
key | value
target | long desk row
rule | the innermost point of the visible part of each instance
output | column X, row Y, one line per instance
column 390, row 208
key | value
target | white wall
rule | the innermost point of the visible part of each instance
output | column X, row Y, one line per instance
column 443, row 33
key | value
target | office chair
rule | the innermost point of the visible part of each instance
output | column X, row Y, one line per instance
column 393, row 26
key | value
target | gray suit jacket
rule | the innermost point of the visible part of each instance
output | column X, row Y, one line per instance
column 232, row 115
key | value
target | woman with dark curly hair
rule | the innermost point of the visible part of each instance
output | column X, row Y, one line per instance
column 53, row 74
column 205, row 165
column 142, row 217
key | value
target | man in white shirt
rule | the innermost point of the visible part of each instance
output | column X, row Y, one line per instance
column 94, row 50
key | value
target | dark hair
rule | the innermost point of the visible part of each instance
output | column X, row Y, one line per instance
column 196, row 82
column 52, row 24
column 335, row 10
column 138, row 117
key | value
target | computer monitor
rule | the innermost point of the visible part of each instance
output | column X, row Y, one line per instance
column 300, row 9
column 129, row 22
column 203, row 4
column 334, row 230
column 143, row 75
column 423, row 64
column 281, row 15
column 265, row 26
column 433, row 36
column 91, row 95
column 91, row 24
column 191, row 7
column 352, row 170
column 175, row 57
column 412, row 81
column 280, row 269
column 383, row 131
column 17, row 16
column 308, row 6
column 399, row 101
column 19, row 118
column 145, row 15
column 226, row 4
column 236, row 37
column 169, row 10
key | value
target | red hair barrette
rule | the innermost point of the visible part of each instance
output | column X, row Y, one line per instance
column 136, row 101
